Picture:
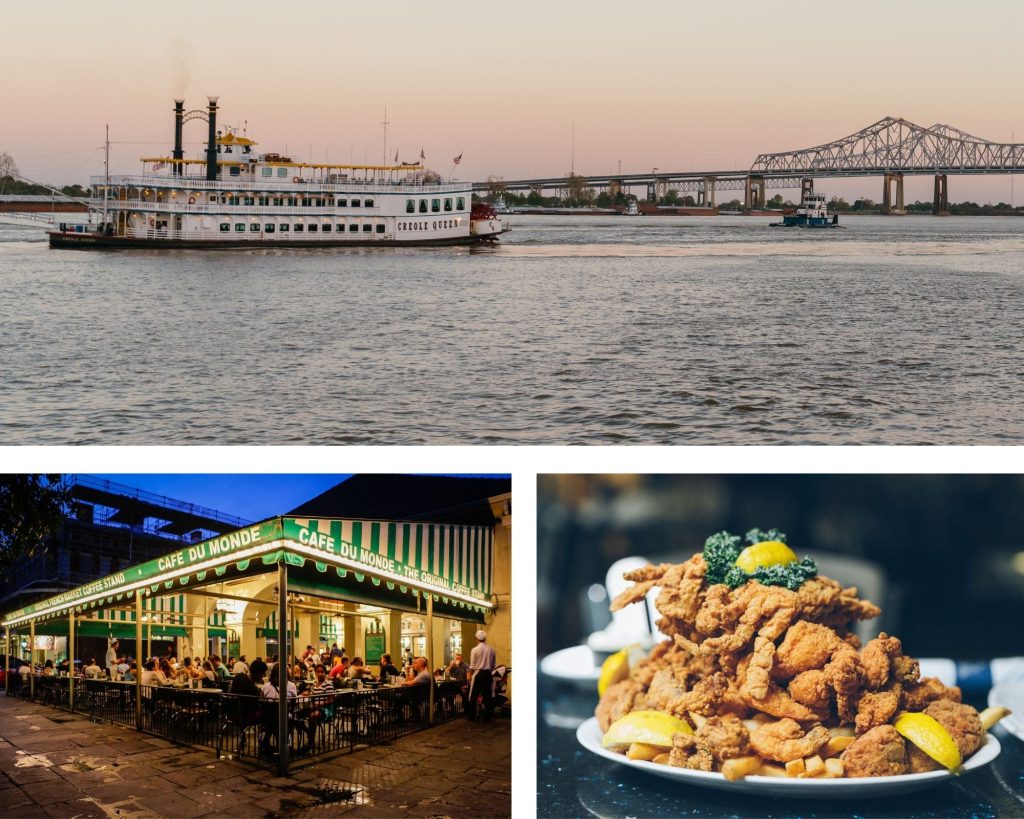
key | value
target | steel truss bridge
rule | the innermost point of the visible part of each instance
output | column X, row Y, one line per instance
column 890, row 148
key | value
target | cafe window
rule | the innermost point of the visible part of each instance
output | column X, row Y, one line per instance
column 239, row 228
column 410, row 205
column 460, row 204
column 282, row 173
column 268, row 171
column 435, row 205
column 447, row 204
column 225, row 227
column 423, row 205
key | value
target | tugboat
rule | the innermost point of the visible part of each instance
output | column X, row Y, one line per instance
column 631, row 208
column 236, row 197
column 812, row 213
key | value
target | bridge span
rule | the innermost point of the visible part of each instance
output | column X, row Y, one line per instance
column 891, row 148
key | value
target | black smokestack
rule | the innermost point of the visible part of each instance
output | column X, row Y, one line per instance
column 179, row 116
column 211, row 145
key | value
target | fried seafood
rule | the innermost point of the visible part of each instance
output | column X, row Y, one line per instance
column 764, row 665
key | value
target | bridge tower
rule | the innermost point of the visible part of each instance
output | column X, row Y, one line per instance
column 887, row 203
column 754, row 197
column 940, row 203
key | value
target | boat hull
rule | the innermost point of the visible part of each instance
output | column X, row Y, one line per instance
column 803, row 221
column 93, row 241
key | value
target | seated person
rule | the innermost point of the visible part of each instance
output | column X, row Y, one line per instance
column 458, row 670
column 321, row 706
column 92, row 671
column 340, row 668
column 387, row 668
column 358, row 671
column 421, row 675
column 209, row 676
column 129, row 674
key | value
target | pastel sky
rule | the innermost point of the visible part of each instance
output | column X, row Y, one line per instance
column 674, row 85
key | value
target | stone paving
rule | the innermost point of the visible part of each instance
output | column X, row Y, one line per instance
column 55, row 764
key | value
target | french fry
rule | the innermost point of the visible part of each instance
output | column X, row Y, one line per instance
column 842, row 731
column 814, row 766
column 834, row 768
column 641, row 750
column 795, row 767
column 740, row 767
column 991, row 715
column 767, row 769
column 836, row 746
column 697, row 720
column 661, row 759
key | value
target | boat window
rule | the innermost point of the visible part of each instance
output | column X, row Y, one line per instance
column 239, row 228
column 285, row 228
column 353, row 228
column 460, row 204
column 254, row 228
column 423, row 205
column 447, row 204
column 268, row 171
column 305, row 201
column 235, row 170
column 343, row 203
column 368, row 203
column 367, row 228
column 213, row 198
column 356, row 203
column 269, row 228
column 299, row 228
column 312, row 228
column 264, row 201
column 291, row 201
column 282, row 173
column 249, row 200
column 380, row 228
column 225, row 227
column 435, row 205
column 340, row 228
column 410, row 205
column 277, row 201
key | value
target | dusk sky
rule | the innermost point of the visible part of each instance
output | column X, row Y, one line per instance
column 678, row 86
column 252, row 497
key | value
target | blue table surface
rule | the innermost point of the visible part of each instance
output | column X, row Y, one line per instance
column 573, row 782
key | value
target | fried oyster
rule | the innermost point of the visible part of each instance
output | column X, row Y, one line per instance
column 769, row 676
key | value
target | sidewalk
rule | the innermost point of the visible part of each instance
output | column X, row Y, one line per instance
column 53, row 763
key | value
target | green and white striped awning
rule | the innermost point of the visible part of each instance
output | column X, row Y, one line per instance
column 454, row 564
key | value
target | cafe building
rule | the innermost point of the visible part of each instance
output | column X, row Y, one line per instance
column 372, row 586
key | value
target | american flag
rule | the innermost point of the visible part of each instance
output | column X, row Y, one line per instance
column 396, row 156
column 158, row 166
column 423, row 156
column 458, row 159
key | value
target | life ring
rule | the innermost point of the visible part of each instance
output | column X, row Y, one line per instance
column 191, row 200
column 296, row 179
column 152, row 221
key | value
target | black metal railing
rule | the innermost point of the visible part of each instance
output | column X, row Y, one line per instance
column 246, row 727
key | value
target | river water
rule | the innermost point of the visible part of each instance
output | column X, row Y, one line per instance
column 578, row 330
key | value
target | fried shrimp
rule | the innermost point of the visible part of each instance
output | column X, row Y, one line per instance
column 785, row 740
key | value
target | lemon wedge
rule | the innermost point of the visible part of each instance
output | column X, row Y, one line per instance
column 765, row 553
column 647, row 727
column 613, row 670
column 928, row 734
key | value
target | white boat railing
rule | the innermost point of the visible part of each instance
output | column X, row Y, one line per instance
column 228, row 239
column 185, row 209
column 275, row 186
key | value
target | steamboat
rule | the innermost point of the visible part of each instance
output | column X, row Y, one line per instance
column 236, row 197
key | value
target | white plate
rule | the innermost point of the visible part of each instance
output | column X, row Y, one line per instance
column 575, row 665
column 1010, row 695
column 589, row 736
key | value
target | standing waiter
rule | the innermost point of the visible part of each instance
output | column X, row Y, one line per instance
column 482, row 661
